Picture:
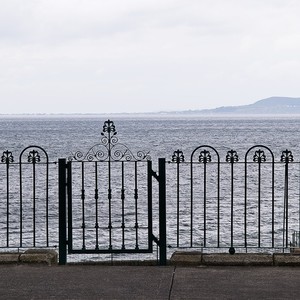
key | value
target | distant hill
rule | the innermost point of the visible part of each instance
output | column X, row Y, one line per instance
column 272, row 105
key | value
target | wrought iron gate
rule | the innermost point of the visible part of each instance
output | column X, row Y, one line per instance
column 106, row 199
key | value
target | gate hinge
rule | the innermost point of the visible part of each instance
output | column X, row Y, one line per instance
column 155, row 239
column 154, row 174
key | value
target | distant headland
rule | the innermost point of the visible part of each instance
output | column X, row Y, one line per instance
column 272, row 105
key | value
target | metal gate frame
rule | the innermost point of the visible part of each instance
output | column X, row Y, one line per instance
column 109, row 141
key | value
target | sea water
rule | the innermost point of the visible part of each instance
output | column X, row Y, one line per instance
column 158, row 135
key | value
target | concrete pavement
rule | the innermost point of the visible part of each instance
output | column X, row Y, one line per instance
column 36, row 281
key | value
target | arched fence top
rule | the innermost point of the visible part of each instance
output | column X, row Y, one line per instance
column 205, row 155
column 260, row 155
column 34, row 155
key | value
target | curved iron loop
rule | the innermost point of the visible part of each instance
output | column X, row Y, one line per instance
column 287, row 156
column 205, row 157
column 178, row 157
column 143, row 155
column 232, row 157
column 7, row 157
column 259, row 156
column 106, row 140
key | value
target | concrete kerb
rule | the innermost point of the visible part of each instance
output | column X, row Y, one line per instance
column 9, row 258
column 194, row 258
column 286, row 259
column 31, row 256
column 179, row 258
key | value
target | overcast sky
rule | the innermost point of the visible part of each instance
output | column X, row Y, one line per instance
column 101, row 56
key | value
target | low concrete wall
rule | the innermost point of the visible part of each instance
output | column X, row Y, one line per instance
column 31, row 256
column 240, row 259
column 287, row 259
column 179, row 258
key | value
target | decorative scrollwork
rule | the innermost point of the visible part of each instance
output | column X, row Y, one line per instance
column 109, row 148
column 7, row 157
column 178, row 156
column 232, row 157
column 287, row 156
column 143, row 155
column 259, row 156
column 109, row 127
column 109, row 133
column 205, row 157
column 34, row 157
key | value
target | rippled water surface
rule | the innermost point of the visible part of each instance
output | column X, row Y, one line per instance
column 61, row 136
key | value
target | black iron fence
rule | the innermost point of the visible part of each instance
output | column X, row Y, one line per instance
column 232, row 203
column 29, row 208
column 109, row 200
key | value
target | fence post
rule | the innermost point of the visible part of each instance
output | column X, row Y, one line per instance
column 162, row 212
column 62, row 182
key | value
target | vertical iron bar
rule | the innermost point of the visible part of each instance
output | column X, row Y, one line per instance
column 136, row 205
column 62, row 181
column 192, row 195
column 259, row 201
column 7, row 205
column 273, row 203
column 150, row 224
column 34, row 200
column 287, row 203
column 232, row 157
column 47, row 201
column 70, row 206
column 218, row 195
column 96, row 204
column 178, row 202
column 162, row 212
column 21, row 204
column 204, row 205
column 83, row 205
column 123, row 207
column 109, row 190
column 245, row 205
column 231, row 242
column 109, row 206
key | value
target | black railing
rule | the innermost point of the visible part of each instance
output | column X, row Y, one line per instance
column 233, row 203
column 29, row 215
column 106, row 201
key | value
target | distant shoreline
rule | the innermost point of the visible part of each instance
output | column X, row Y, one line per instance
column 164, row 115
column 269, row 107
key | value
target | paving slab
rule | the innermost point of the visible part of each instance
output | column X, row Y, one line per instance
column 40, row 281
column 286, row 260
column 236, row 283
column 84, row 282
